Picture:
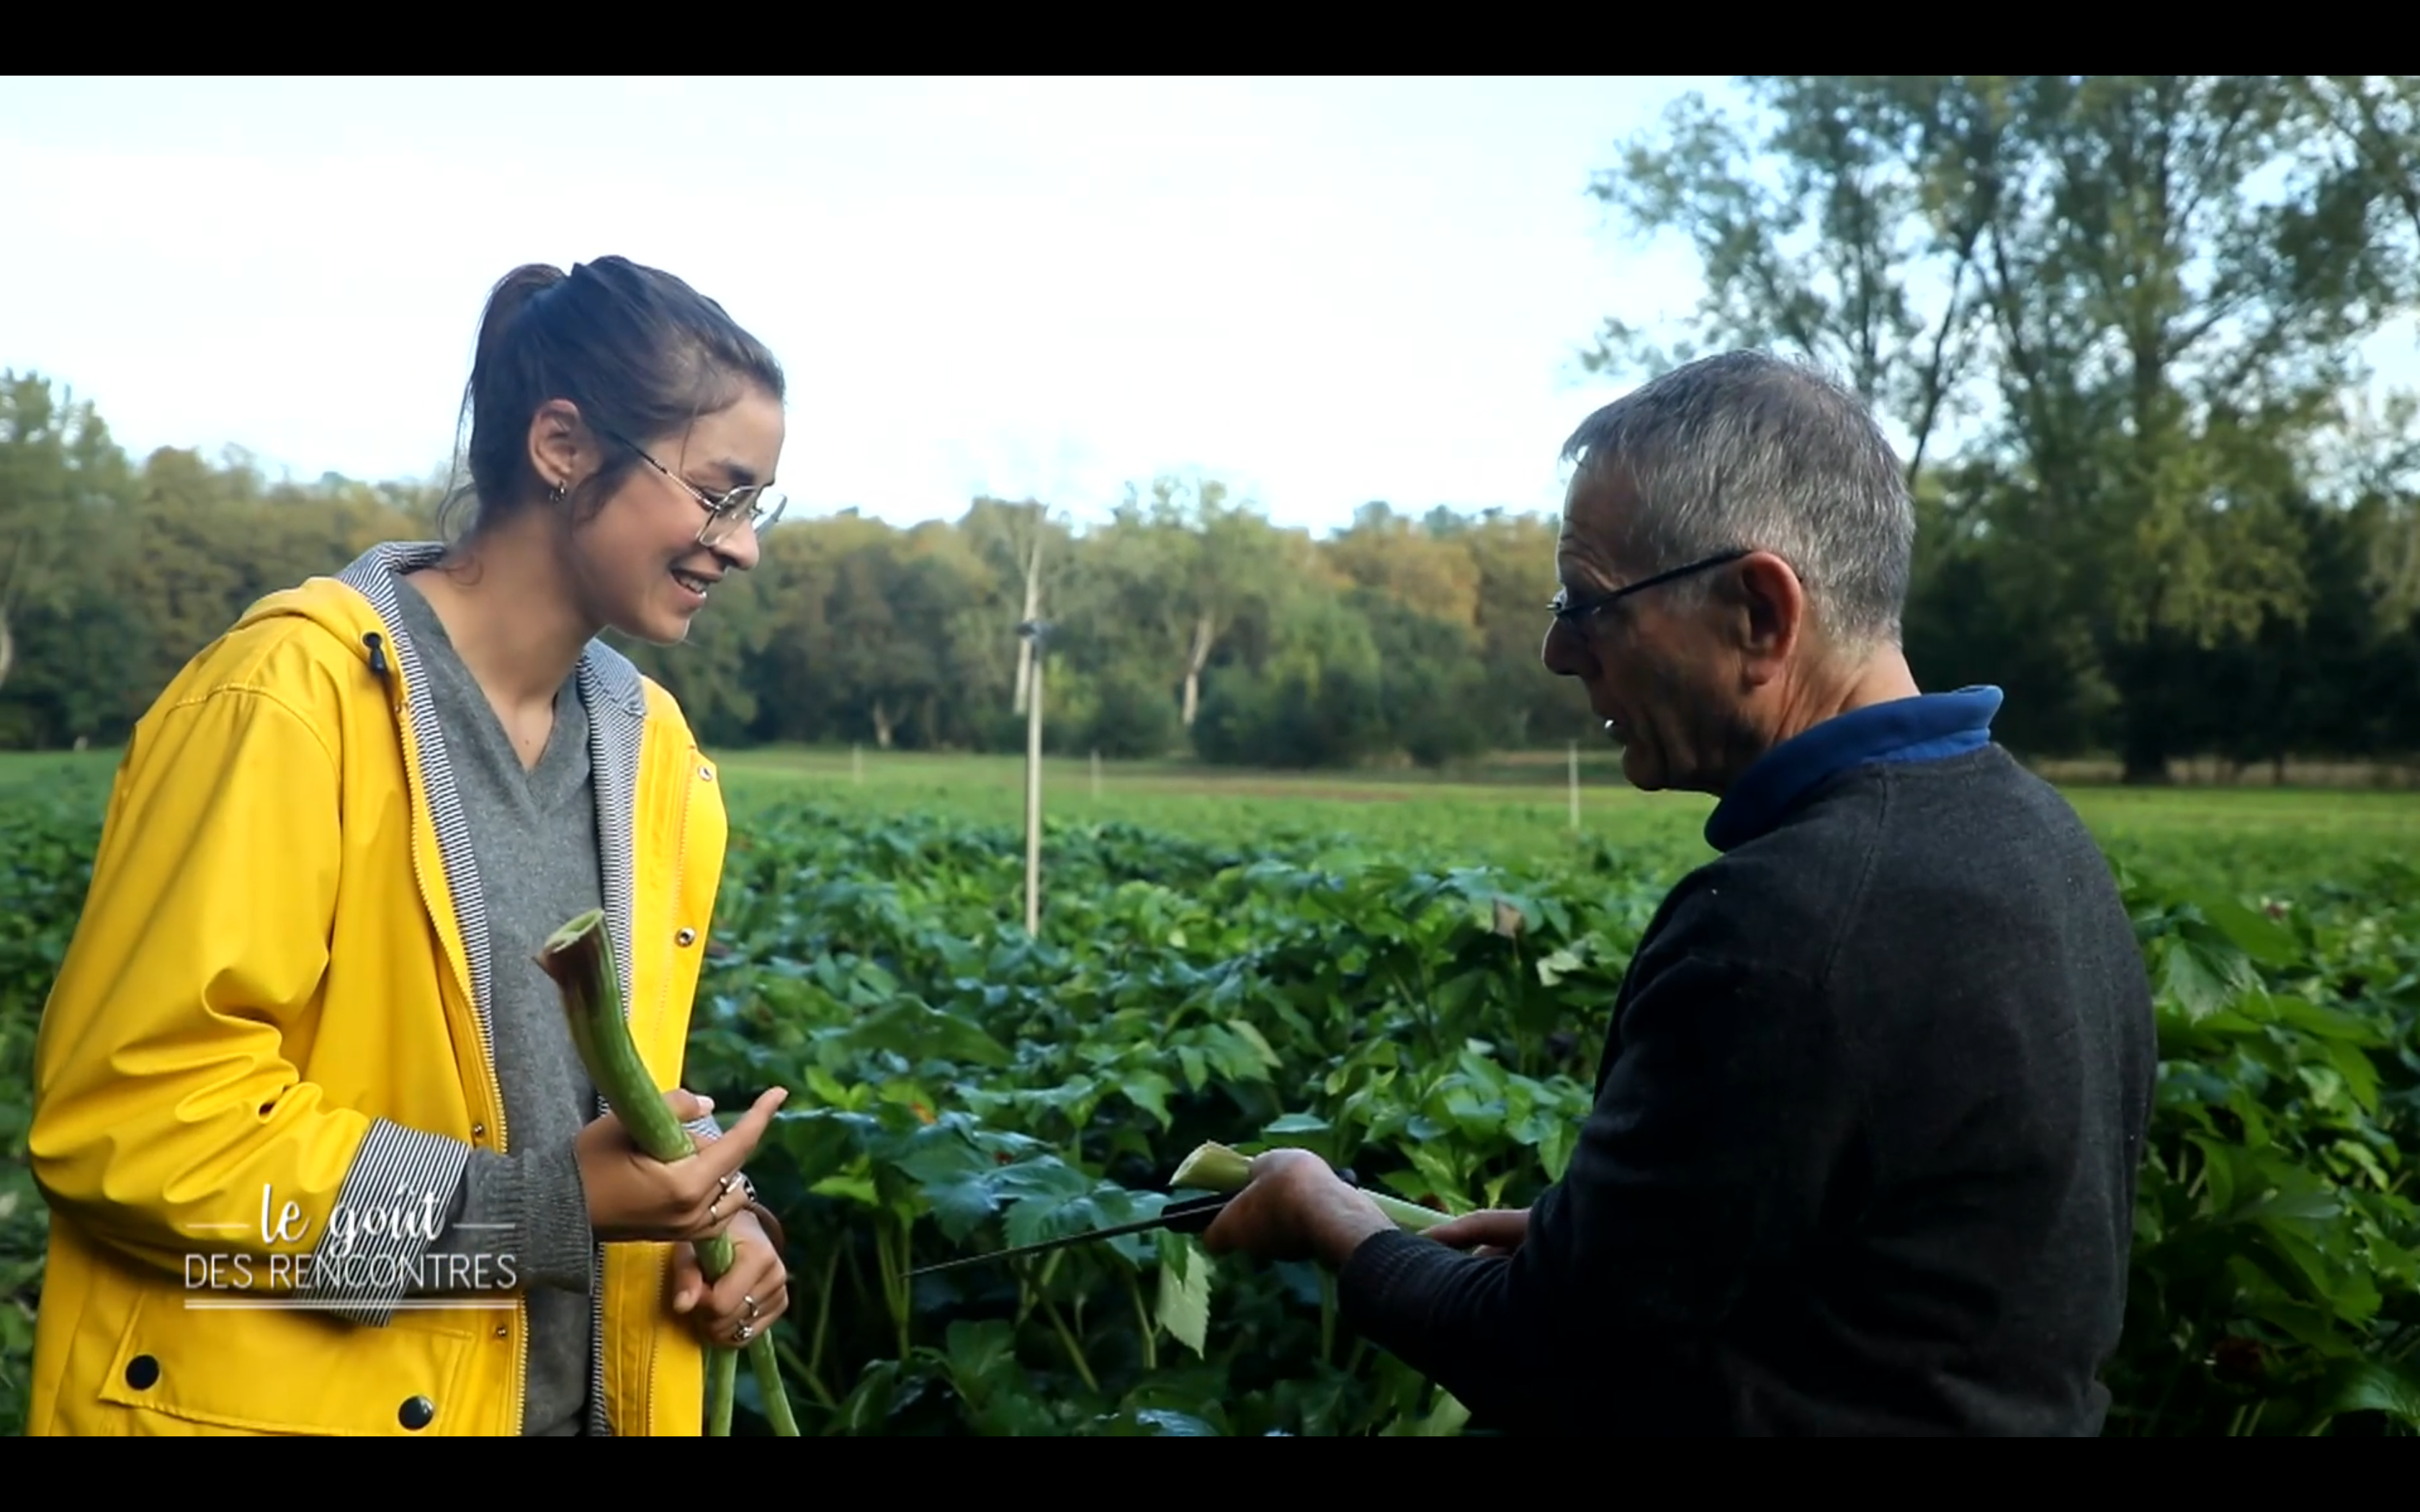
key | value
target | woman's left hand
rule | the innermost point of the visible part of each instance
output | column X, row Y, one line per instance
column 751, row 1295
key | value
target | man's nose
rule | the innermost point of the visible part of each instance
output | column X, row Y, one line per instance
column 1564, row 653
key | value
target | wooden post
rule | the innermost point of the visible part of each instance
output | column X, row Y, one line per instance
column 1575, row 787
column 1033, row 631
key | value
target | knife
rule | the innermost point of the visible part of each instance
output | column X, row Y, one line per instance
column 1191, row 1216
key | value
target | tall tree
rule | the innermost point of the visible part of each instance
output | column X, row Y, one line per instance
column 1191, row 563
column 1852, row 249
column 1027, row 544
column 59, row 470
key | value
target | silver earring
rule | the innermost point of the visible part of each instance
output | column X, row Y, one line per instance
column 560, row 489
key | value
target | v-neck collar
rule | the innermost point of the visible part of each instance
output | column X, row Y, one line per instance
column 545, row 779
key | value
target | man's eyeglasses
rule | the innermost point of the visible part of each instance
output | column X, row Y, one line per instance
column 1573, row 613
column 754, row 505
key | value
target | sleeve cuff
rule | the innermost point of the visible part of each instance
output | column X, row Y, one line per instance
column 368, row 1257
column 1386, row 1285
column 549, row 1208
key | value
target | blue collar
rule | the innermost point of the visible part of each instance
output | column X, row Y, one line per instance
column 1917, row 729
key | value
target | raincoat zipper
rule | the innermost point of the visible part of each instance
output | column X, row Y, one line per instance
column 399, row 704
column 664, row 1000
column 617, row 746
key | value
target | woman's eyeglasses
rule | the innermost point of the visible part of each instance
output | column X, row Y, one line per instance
column 754, row 505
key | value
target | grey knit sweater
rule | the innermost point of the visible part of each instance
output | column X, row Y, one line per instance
column 534, row 834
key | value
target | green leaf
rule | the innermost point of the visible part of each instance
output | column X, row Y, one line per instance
column 2256, row 934
column 2360, row 1073
column 1445, row 1421
column 2327, row 1023
column 2291, row 1195
column 1456, row 997
column 2197, row 978
column 2362, row 1158
column 1184, row 1305
column 1295, row 1123
column 1555, row 1151
column 1049, row 1199
column 853, row 1188
column 923, row 1033
column 1437, row 1168
column 1260, row 1047
column 1148, row 1090
column 2218, row 1171
column 2374, row 1387
column 960, row 1205
column 981, row 1358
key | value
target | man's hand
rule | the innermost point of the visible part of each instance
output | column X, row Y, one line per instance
column 1295, row 1209
column 751, row 1295
column 631, row 1195
column 1497, row 1231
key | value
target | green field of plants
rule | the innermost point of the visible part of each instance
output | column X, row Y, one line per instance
column 1414, row 982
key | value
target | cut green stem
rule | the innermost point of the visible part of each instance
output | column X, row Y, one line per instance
column 1213, row 1168
column 576, row 956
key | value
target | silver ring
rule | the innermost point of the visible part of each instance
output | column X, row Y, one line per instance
column 752, row 1305
column 711, row 1215
column 740, row 1334
column 724, row 1182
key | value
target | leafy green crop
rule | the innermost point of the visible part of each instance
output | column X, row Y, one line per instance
column 959, row 1086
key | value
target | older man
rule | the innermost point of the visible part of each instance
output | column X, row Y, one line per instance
column 1864, row 1150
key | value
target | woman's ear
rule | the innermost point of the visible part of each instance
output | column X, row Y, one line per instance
column 557, row 446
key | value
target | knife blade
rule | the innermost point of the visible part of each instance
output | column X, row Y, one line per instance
column 1191, row 1216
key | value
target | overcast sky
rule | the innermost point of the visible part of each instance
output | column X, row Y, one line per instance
column 1323, row 291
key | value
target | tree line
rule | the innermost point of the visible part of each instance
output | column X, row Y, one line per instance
column 2115, row 320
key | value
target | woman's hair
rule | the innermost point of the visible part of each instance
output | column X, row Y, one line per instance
column 639, row 352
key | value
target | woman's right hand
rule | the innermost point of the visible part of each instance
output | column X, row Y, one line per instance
column 634, row 1196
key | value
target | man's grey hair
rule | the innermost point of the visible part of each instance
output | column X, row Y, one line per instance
column 1748, row 451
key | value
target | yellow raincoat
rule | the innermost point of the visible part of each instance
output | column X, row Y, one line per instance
column 272, row 1021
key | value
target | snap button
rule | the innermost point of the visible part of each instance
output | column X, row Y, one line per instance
column 504, row 1332
column 705, row 773
column 687, row 937
column 417, row 1413
column 142, row 1372
column 479, row 1131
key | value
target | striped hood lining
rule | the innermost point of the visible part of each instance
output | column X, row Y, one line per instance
column 393, row 1158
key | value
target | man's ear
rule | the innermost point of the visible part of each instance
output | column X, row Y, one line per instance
column 1767, row 613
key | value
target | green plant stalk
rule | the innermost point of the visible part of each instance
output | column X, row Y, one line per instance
column 1074, row 1350
column 897, row 1297
column 806, row 1372
column 1326, row 1318
column 721, row 1385
column 584, row 972
column 814, row 1372
column 1213, row 1168
column 1146, row 1329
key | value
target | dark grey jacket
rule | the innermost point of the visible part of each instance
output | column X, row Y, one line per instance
column 1863, row 1156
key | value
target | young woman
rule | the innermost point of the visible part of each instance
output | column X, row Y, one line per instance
column 319, row 1156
